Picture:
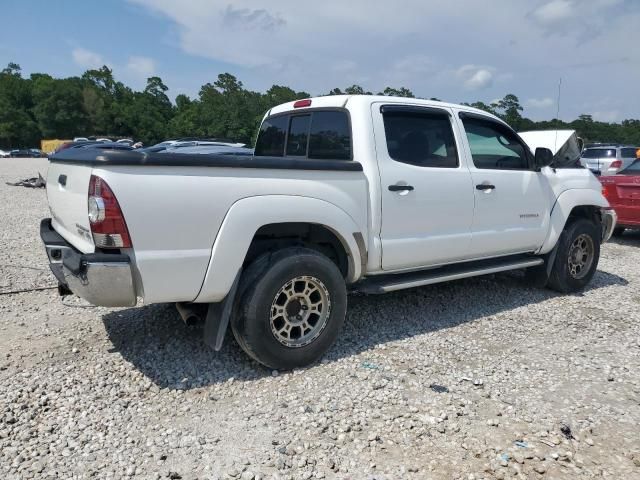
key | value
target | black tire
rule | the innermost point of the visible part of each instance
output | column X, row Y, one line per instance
column 253, row 325
column 618, row 231
column 565, row 278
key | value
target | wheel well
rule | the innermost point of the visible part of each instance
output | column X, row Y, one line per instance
column 588, row 212
column 276, row 236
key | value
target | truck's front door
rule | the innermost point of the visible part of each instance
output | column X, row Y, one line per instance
column 512, row 200
column 427, row 196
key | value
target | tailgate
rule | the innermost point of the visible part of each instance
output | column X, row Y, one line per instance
column 67, row 187
column 629, row 190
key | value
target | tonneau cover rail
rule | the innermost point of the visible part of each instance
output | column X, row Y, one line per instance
column 97, row 157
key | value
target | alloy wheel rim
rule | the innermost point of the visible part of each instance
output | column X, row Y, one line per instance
column 581, row 256
column 300, row 311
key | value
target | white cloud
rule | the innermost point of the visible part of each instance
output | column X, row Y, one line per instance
column 523, row 47
column 606, row 115
column 474, row 77
column 555, row 11
column 87, row 59
column 142, row 67
column 539, row 102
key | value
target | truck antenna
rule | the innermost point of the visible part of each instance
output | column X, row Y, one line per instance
column 555, row 144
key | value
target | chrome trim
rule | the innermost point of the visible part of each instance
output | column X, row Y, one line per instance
column 429, row 280
column 106, row 284
column 609, row 221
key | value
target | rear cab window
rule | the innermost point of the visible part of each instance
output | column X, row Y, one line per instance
column 315, row 134
column 599, row 153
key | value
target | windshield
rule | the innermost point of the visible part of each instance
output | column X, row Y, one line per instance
column 599, row 153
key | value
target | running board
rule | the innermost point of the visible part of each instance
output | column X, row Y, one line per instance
column 398, row 281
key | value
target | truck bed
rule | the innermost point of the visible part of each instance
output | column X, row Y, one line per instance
column 175, row 204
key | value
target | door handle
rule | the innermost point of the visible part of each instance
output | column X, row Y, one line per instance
column 62, row 180
column 485, row 187
column 400, row 188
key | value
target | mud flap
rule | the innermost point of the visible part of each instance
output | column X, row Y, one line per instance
column 218, row 315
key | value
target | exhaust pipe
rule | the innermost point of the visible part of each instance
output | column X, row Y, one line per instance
column 191, row 313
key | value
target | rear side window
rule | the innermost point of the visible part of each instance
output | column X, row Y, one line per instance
column 330, row 136
column 421, row 139
column 599, row 153
column 272, row 136
column 494, row 146
column 628, row 152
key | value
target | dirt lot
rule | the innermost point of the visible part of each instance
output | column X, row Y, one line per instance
column 483, row 378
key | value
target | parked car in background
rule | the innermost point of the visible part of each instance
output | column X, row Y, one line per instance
column 189, row 142
column 623, row 193
column 5, row 153
column 608, row 160
column 75, row 143
column 80, row 139
column 104, row 140
column 126, row 141
column 211, row 149
column 28, row 153
column 356, row 193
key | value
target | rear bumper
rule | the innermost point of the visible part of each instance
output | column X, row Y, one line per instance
column 609, row 221
column 102, row 279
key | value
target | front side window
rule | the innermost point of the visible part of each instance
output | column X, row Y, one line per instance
column 494, row 146
column 423, row 139
column 272, row 135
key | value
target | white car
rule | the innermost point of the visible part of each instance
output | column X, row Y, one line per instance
column 5, row 154
column 344, row 193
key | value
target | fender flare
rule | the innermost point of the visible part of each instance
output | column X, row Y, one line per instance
column 247, row 215
column 566, row 202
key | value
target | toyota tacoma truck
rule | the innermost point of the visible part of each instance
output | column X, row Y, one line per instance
column 343, row 194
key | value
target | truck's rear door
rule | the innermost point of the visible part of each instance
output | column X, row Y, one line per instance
column 67, row 187
column 427, row 197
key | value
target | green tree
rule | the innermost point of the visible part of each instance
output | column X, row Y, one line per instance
column 509, row 109
column 59, row 106
column 397, row 92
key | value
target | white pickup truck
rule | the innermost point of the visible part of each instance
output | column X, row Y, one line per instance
column 344, row 193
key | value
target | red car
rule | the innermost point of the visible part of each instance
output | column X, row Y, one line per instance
column 623, row 192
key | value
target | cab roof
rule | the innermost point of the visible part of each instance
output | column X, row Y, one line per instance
column 359, row 101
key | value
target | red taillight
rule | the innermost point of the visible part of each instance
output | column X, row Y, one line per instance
column 105, row 216
column 302, row 103
column 615, row 164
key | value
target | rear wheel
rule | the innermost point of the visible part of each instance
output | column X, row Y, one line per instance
column 292, row 307
column 577, row 257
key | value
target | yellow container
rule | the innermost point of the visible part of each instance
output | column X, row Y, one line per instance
column 49, row 146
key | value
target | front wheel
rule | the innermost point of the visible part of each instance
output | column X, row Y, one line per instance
column 577, row 258
column 292, row 308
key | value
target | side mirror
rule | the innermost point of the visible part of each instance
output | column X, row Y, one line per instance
column 543, row 158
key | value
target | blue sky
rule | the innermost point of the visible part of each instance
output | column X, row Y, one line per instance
column 459, row 50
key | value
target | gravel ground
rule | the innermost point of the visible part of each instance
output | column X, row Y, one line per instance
column 482, row 378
